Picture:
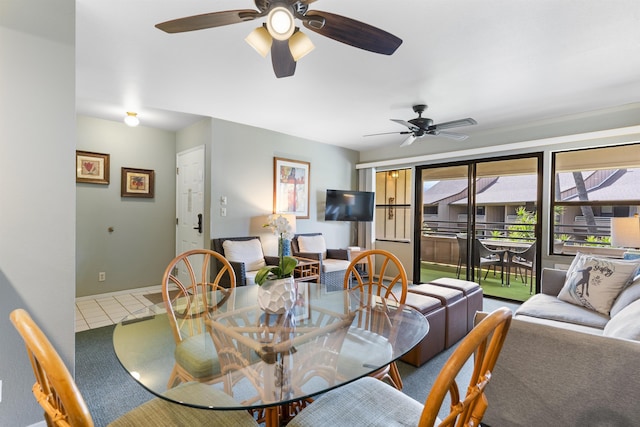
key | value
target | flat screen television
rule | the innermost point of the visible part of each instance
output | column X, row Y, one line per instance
column 343, row 205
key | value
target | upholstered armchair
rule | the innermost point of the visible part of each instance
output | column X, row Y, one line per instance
column 333, row 262
column 245, row 256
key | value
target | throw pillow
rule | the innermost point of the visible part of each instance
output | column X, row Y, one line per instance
column 595, row 282
column 312, row 245
column 247, row 251
column 625, row 324
column 628, row 295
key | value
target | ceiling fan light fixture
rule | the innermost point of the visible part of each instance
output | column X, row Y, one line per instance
column 300, row 45
column 280, row 23
column 260, row 40
column 131, row 119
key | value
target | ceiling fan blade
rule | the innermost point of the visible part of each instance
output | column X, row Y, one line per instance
column 454, row 124
column 452, row 135
column 408, row 141
column 281, row 59
column 389, row 133
column 354, row 33
column 208, row 20
column 411, row 126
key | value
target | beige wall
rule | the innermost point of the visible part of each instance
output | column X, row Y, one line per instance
column 143, row 241
column 239, row 161
column 37, row 198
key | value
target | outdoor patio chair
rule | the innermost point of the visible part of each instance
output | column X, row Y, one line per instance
column 487, row 258
column 523, row 261
column 484, row 257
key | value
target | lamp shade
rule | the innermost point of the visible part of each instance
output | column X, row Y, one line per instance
column 292, row 221
column 260, row 40
column 300, row 45
column 625, row 232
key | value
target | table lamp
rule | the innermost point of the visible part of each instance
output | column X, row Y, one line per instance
column 625, row 233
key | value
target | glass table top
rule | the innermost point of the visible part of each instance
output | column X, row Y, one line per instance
column 261, row 359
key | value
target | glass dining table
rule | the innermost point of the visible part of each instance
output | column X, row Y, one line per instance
column 272, row 364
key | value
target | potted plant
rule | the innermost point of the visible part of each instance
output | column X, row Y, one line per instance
column 276, row 293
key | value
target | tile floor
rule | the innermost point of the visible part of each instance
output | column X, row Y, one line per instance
column 107, row 309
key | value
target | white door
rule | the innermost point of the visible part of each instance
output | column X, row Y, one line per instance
column 190, row 200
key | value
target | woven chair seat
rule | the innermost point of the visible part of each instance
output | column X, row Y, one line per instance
column 367, row 401
column 159, row 412
column 197, row 356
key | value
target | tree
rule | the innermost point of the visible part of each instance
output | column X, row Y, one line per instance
column 587, row 211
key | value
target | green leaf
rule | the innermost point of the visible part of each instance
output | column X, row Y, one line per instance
column 288, row 265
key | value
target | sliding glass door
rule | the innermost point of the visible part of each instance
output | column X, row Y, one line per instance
column 479, row 221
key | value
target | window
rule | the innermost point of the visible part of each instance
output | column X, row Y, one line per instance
column 589, row 188
column 393, row 205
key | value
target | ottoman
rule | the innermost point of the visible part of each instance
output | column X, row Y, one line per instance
column 472, row 292
column 455, row 310
column 433, row 342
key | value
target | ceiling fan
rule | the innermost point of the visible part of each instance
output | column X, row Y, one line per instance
column 421, row 126
column 280, row 35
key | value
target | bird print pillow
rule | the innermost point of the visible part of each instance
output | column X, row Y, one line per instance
column 595, row 283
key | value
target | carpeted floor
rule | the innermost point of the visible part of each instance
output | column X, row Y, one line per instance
column 110, row 392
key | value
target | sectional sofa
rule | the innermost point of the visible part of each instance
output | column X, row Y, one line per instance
column 566, row 365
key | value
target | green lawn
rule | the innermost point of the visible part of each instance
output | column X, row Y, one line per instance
column 491, row 286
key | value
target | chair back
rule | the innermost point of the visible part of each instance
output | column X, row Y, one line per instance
column 528, row 254
column 295, row 246
column 391, row 281
column 484, row 343
column 55, row 389
column 217, row 245
column 462, row 247
column 482, row 251
column 191, row 290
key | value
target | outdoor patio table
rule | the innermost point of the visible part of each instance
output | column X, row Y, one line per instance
column 273, row 364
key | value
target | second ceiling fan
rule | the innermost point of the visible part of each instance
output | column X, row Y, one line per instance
column 422, row 126
column 280, row 35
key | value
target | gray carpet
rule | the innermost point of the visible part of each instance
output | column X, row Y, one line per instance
column 110, row 392
column 106, row 387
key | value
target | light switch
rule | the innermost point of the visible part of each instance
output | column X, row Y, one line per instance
column 223, row 211
column 223, row 200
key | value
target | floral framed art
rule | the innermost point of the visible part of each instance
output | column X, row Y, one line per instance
column 92, row 168
column 137, row 183
column 291, row 187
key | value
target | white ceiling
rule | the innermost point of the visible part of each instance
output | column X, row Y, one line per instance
column 502, row 62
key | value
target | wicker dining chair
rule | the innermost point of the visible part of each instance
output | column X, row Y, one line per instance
column 191, row 292
column 57, row 393
column 389, row 282
column 373, row 403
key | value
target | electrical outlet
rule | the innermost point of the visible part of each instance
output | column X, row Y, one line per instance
column 102, row 276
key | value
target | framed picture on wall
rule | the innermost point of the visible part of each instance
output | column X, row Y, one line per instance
column 291, row 187
column 92, row 168
column 137, row 183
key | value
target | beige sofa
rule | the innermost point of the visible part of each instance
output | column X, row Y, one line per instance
column 565, row 365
